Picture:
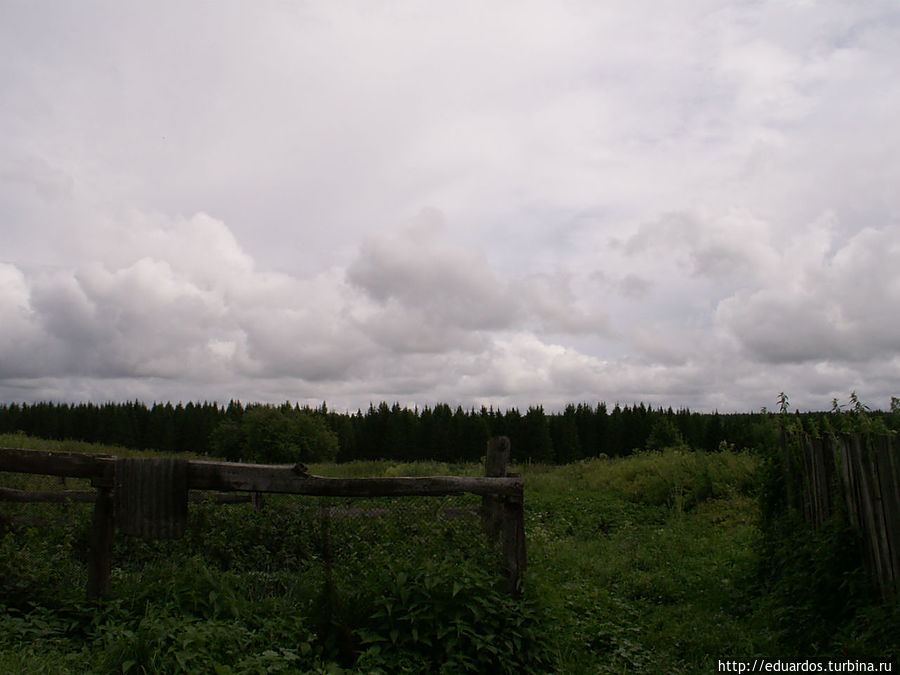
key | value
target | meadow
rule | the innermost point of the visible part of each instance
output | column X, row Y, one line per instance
column 645, row 564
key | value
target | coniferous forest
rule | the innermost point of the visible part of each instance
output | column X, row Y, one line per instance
column 290, row 432
column 638, row 562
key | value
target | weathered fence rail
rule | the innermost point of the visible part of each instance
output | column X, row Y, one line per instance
column 284, row 479
column 863, row 473
column 502, row 509
column 90, row 496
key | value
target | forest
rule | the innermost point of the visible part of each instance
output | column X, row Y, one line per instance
column 658, row 541
column 290, row 432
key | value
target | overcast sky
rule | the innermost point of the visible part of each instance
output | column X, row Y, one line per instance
column 689, row 203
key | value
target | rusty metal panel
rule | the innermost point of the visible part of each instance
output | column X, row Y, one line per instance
column 151, row 497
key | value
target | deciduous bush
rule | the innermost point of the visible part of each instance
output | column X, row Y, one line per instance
column 275, row 435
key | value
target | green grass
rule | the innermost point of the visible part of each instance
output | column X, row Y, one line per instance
column 645, row 562
column 638, row 565
column 20, row 440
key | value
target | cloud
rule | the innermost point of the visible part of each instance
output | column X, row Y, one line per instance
column 49, row 182
column 204, row 203
column 20, row 348
column 730, row 245
column 445, row 283
column 827, row 307
column 434, row 295
column 552, row 307
column 179, row 301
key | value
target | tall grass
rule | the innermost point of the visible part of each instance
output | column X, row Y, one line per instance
column 20, row 440
column 644, row 564
column 675, row 477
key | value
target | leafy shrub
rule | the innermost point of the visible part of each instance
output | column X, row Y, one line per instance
column 42, row 565
column 435, row 617
column 275, row 435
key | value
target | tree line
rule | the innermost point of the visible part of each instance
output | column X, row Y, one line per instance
column 290, row 432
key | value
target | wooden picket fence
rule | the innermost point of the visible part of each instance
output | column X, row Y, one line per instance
column 502, row 509
column 863, row 472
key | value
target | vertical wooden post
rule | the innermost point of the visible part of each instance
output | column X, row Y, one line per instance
column 495, row 462
column 788, row 469
column 514, row 559
column 888, row 470
column 100, row 555
column 504, row 517
column 497, row 457
column 256, row 498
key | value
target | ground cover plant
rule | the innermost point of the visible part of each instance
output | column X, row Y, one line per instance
column 644, row 561
column 642, row 564
column 302, row 585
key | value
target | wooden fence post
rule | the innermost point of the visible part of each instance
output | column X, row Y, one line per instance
column 888, row 470
column 100, row 555
column 502, row 493
column 871, row 487
column 789, row 477
column 495, row 462
column 504, row 516
column 513, row 543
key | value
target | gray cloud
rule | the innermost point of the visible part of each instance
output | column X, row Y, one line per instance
column 446, row 283
column 837, row 307
column 19, row 348
column 200, row 203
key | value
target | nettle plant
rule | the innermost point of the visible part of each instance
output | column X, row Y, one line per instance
column 856, row 417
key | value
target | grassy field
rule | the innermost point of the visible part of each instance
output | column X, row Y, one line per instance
column 638, row 565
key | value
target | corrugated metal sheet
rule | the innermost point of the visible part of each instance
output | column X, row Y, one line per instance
column 151, row 497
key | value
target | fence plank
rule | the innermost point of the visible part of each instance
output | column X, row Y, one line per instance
column 257, row 478
column 288, row 479
column 890, row 510
column 790, row 483
column 871, row 508
column 90, row 496
column 47, row 496
column 851, row 482
column 866, row 471
column 807, row 480
column 495, row 463
column 100, row 554
column 514, row 556
column 891, row 496
column 832, row 482
column 261, row 478
column 72, row 464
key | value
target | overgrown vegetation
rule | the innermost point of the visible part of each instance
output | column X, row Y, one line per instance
column 646, row 579
column 663, row 561
column 271, row 433
column 608, row 572
column 812, row 582
column 374, row 586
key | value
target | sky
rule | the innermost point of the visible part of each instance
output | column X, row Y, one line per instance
column 502, row 203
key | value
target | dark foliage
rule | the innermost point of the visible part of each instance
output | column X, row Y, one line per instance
column 301, row 433
column 812, row 582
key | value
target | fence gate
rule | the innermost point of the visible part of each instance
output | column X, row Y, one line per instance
column 149, row 497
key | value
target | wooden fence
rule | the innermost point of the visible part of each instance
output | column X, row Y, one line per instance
column 864, row 472
column 502, row 495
